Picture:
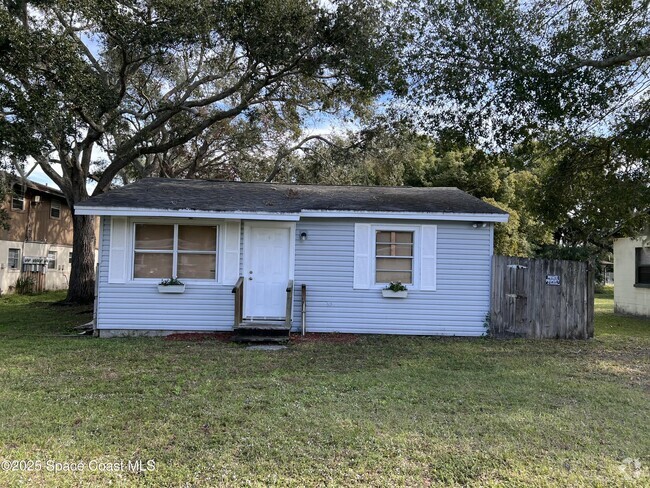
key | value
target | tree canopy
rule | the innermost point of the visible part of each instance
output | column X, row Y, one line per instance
column 509, row 70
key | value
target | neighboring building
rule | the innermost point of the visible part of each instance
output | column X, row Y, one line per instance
column 632, row 276
column 343, row 243
column 39, row 240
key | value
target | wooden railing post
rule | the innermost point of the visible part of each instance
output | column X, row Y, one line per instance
column 287, row 319
column 238, row 290
column 303, row 307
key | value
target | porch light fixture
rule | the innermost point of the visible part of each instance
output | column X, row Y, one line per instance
column 303, row 236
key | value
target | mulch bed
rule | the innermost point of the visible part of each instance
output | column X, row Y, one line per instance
column 200, row 336
column 324, row 337
column 295, row 338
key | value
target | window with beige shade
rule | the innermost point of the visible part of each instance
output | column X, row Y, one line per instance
column 393, row 256
column 175, row 250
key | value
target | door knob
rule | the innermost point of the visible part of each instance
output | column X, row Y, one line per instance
column 250, row 277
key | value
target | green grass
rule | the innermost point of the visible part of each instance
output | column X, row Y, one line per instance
column 381, row 411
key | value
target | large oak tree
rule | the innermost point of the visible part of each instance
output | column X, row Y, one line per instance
column 93, row 88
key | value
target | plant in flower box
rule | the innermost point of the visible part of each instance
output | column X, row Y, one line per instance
column 171, row 285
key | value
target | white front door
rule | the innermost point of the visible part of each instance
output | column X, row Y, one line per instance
column 267, row 266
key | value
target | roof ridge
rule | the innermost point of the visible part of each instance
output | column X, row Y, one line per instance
column 326, row 185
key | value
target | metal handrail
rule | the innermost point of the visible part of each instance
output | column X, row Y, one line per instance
column 287, row 319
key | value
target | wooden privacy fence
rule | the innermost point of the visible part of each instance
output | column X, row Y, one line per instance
column 541, row 298
column 36, row 281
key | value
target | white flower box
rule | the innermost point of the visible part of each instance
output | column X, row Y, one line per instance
column 171, row 288
column 394, row 294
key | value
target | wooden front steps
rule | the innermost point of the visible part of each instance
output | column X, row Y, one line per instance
column 259, row 325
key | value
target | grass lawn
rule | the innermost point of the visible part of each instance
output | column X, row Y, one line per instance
column 378, row 411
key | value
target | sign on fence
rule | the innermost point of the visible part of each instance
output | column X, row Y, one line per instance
column 553, row 280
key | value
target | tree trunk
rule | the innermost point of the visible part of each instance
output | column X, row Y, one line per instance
column 82, row 274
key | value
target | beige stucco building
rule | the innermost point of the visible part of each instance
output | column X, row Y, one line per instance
column 632, row 276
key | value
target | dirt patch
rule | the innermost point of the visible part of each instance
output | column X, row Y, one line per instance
column 325, row 337
column 200, row 336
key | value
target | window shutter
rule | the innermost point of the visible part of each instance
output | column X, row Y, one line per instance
column 231, row 253
column 428, row 251
column 362, row 256
column 118, row 250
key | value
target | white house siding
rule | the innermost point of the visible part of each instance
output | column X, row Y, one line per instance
column 137, row 306
column 324, row 262
column 628, row 299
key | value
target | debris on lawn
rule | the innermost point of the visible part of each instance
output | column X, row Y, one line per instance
column 86, row 329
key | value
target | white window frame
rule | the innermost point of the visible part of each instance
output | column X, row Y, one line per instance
column 55, row 205
column 17, row 268
column 218, row 252
column 416, row 252
column 18, row 194
column 56, row 256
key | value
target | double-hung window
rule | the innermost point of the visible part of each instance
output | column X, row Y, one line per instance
column 18, row 198
column 387, row 252
column 13, row 261
column 55, row 209
column 642, row 266
column 51, row 259
column 393, row 256
column 175, row 250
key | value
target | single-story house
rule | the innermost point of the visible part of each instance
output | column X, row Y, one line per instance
column 632, row 276
column 244, row 251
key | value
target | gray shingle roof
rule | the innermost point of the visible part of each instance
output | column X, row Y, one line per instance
column 229, row 196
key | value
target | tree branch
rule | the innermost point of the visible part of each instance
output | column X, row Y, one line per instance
column 613, row 60
column 284, row 152
column 71, row 32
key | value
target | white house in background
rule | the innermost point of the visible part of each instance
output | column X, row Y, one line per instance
column 343, row 243
column 632, row 276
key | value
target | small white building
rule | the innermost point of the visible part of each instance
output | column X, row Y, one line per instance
column 241, row 249
column 632, row 276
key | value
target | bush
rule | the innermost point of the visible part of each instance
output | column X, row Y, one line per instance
column 25, row 285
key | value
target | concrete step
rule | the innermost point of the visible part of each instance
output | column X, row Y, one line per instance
column 262, row 332
column 247, row 338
